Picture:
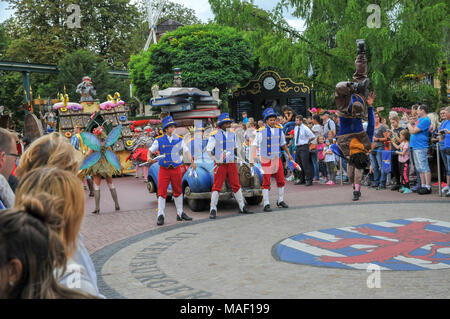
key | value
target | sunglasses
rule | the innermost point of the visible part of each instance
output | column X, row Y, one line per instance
column 15, row 155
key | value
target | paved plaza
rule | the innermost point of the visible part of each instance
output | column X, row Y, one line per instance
column 237, row 256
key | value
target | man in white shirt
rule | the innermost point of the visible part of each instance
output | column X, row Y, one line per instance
column 270, row 139
column 302, row 138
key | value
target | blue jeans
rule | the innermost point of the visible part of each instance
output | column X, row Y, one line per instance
column 445, row 158
column 315, row 164
column 379, row 176
column 447, row 164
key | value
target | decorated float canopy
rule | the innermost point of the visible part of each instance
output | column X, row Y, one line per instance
column 270, row 88
column 74, row 115
column 89, row 114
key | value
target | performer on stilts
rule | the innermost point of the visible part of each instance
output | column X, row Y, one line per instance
column 101, row 161
column 169, row 146
column 354, row 102
column 270, row 140
column 221, row 148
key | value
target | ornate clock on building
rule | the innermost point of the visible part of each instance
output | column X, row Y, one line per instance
column 269, row 83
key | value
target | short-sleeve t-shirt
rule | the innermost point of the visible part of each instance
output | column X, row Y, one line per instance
column 379, row 133
column 404, row 158
column 446, row 143
column 420, row 139
column 320, row 148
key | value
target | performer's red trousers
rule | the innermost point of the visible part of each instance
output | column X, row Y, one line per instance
column 272, row 167
column 167, row 176
column 229, row 172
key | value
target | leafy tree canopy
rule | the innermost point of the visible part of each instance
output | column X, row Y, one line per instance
column 209, row 56
column 409, row 39
column 412, row 38
column 41, row 33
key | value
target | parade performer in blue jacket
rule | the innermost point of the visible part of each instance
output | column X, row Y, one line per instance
column 221, row 148
column 270, row 140
column 354, row 102
column 169, row 146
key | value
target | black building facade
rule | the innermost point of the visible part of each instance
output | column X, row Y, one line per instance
column 270, row 88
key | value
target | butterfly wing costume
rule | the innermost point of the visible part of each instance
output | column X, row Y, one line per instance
column 102, row 161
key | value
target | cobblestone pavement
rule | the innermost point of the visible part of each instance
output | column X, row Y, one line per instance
column 138, row 207
column 232, row 257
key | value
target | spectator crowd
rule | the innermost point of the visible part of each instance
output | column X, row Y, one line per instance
column 403, row 156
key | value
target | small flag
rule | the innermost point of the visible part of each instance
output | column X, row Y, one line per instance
column 294, row 166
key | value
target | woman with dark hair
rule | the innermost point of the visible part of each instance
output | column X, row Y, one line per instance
column 30, row 251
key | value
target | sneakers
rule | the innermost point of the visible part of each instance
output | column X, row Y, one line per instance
column 290, row 178
column 402, row 189
column 406, row 191
column 329, row 183
column 445, row 189
column 424, row 191
column 444, row 185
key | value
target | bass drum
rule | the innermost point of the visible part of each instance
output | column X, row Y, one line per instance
column 32, row 127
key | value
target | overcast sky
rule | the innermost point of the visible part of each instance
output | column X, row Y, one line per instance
column 201, row 7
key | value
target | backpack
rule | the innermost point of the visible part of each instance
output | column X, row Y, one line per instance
column 336, row 125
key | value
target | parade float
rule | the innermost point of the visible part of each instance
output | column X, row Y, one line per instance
column 187, row 105
column 110, row 114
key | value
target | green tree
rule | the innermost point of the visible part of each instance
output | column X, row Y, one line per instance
column 5, row 40
column 74, row 66
column 208, row 55
column 41, row 33
column 174, row 11
column 11, row 92
column 179, row 13
column 266, row 33
column 443, row 79
column 273, row 42
column 409, row 39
